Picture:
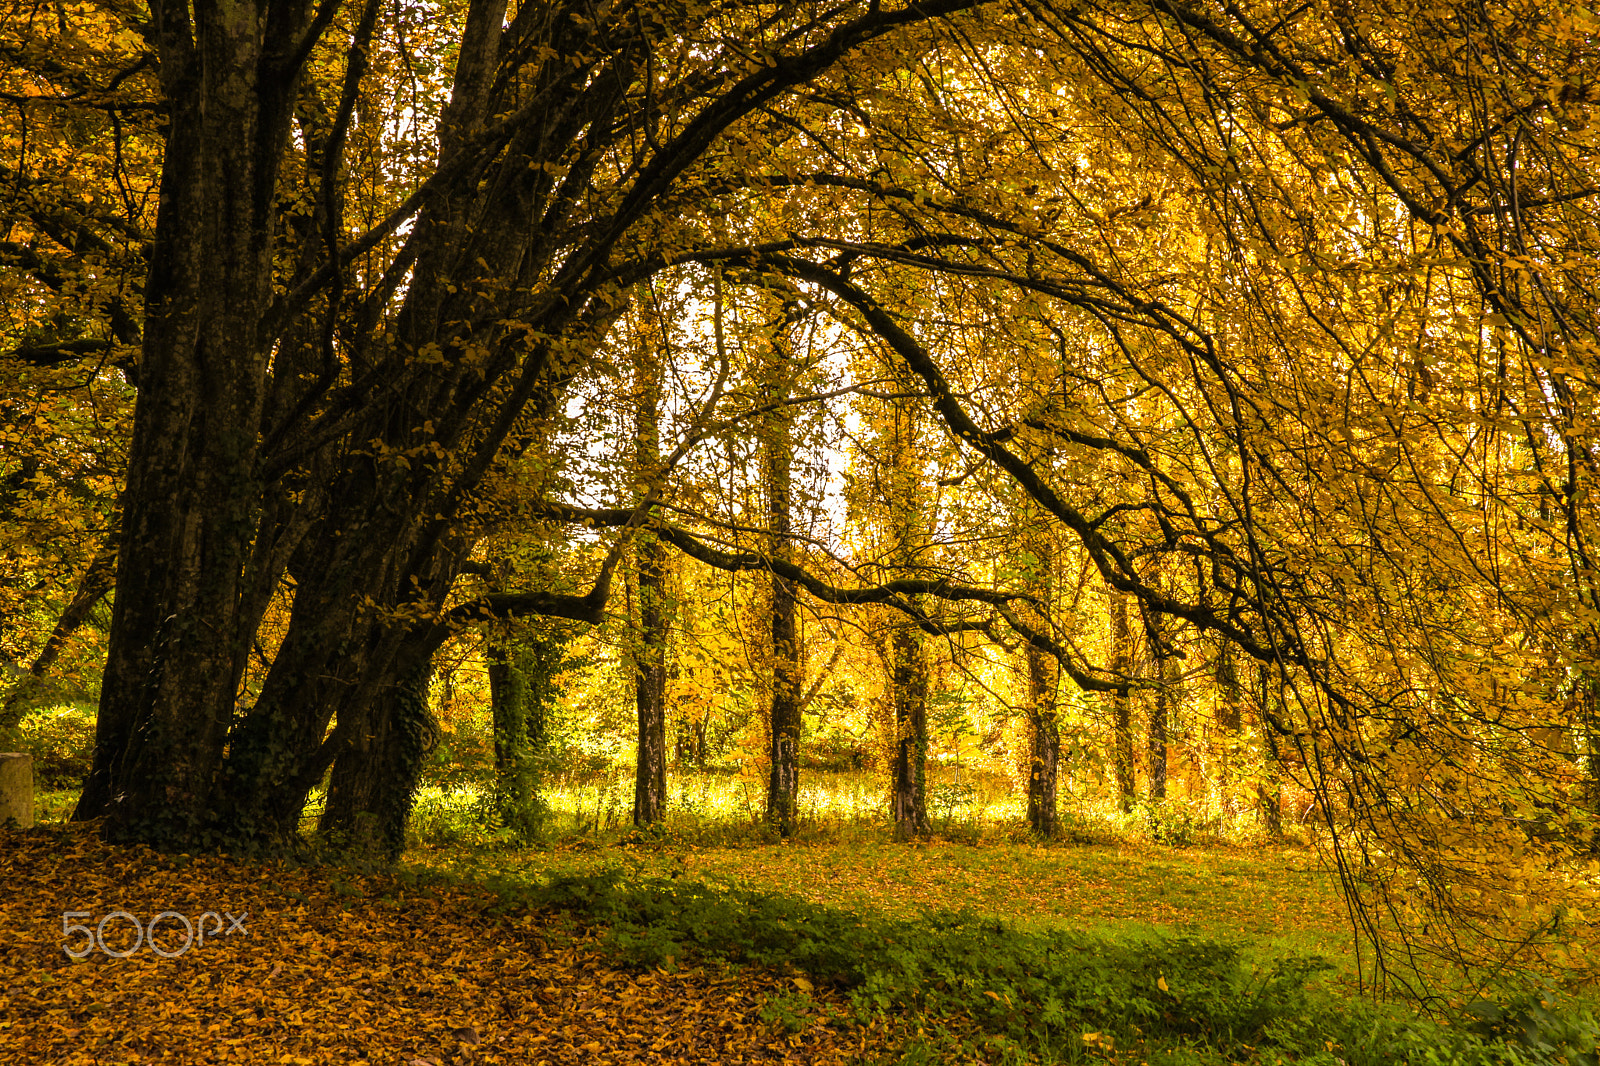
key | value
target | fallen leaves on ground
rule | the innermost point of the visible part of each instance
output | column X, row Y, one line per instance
column 326, row 966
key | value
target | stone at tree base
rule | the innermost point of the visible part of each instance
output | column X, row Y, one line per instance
column 16, row 788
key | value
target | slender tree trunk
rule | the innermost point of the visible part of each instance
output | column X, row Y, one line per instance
column 784, row 717
column 1269, row 796
column 1045, row 760
column 1229, row 722
column 92, row 588
column 1160, row 714
column 783, row 784
column 1121, row 704
column 1586, row 705
column 911, row 734
column 650, row 684
column 649, row 645
column 1044, row 735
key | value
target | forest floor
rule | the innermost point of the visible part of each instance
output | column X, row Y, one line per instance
column 461, row 955
column 332, row 966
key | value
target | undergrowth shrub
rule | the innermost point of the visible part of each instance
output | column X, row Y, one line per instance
column 1040, row 990
column 1050, row 996
column 61, row 741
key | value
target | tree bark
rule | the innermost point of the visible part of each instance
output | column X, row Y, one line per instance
column 1229, row 721
column 183, row 615
column 1269, row 794
column 784, row 715
column 517, row 668
column 92, row 588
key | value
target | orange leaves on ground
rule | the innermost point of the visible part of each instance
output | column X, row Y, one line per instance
column 325, row 966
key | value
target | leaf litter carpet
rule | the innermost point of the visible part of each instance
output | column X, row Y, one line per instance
column 307, row 965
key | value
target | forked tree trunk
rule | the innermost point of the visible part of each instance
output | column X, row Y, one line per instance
column 184, row 613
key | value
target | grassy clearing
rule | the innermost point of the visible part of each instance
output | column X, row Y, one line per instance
column 1280, row 900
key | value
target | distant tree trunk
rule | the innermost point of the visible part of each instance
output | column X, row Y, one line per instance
column 1586, row 705
column 784, row 718
column 1269, row 797
column 374, row 783
column 1160, row 711
column 520, row 694
column 92, row 588
column 911, row 734
column 1229, row 722
column 1044, row 734
column 1043, row 772
column 650, row 684
column 650, row 639
column 1121, row 709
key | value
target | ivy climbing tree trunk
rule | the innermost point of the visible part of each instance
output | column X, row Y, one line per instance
column 520, row 671
column 370, row 794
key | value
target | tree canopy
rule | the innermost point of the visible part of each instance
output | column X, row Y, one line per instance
column 1271, row 322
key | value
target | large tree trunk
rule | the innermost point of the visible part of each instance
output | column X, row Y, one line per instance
column 185, row 610
column 374, row 781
